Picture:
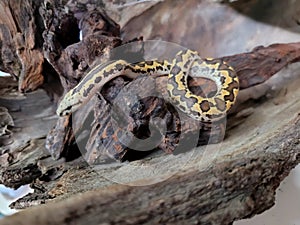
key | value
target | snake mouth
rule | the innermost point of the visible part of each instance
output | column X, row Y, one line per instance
column 72, row 108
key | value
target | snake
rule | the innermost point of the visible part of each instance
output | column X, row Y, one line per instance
column 185, row 63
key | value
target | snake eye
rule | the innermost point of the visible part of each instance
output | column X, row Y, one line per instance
column 66, row 112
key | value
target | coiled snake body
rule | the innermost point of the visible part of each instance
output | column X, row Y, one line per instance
column 186, row 63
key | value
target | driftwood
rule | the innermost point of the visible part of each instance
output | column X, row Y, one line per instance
column 213, row 184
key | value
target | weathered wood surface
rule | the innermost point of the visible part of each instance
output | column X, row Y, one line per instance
column 183, row 198
column 211, row 185
column 246, row 182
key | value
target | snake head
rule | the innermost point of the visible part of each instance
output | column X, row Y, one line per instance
column 70, row 103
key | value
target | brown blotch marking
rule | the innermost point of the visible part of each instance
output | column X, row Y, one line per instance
column 135, row 70
column 82, row 83
column 182, row 80
column 209, row 116
column 187, row 64
column 175, row 70
column 88, row 90
column 107, row 73
column 150, row 63
column 160, row 67
column 98, row 79
column 220, row 104
column 142, row 71
column 222, row 80
column 205, row 106
column 129, row 67
column 90, row 76
column 229, row 97
column 149, row 70
column 85, row 93
column 203, row 120
column 119, row 66
column 232, row 85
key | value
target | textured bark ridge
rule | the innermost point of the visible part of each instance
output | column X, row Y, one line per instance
column 22, row 54
column 211, row 184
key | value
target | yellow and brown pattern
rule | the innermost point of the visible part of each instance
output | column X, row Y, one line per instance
column 186, row 63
